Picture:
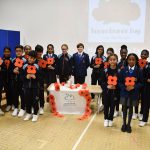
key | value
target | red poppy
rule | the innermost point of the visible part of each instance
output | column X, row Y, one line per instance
column 26, row 57
column 7, row 63
column 81, row 92
column 106, row 65
column 42, row 63
column 130, row 81
column 142, row 63
column 57, row 87
column 18, row 63
column 50, row 61
column 84, row 86
column 1, row 61
column 31, row 69
column 112, row 80
column 98, row 61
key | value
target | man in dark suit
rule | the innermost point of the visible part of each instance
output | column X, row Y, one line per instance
column 80, row 64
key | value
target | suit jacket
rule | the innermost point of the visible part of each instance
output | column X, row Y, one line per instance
column 80, row 64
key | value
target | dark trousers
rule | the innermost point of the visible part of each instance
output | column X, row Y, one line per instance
column 7, row 88
column 79, row 79
column 50, row 77
column 41, row 94
column 109, row 105
column 125, row 113
column 0, row 96
column 142, row 102
column 146, row 108
column 94, row 81
column 63, row 78
column 17, row 91
column 32, row 100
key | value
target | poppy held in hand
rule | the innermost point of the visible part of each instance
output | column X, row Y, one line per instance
column 112, row 80
column 31, row 69
column 130, row 81
column 18, row 63
column 98, row 61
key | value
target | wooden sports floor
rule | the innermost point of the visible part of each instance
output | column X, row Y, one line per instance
column 51, row 133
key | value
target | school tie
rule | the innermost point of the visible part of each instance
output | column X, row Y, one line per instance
column 131, row 70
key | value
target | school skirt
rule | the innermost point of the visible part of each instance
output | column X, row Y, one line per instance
column 128, row 101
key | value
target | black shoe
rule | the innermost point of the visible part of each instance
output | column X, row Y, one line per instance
column 123, row 128
column 129, row 130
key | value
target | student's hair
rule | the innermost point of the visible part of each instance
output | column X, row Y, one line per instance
column 64, row 45
column 19, row 46
column 124, row 47
column 115, row 55
column 33, row 53
column 8, row 48
column 98, row 47
column 27, row 46
column 136, row 59
column 110, row 49
column 145, row 50
column 39, row 48
column 51, row 46
column 80, row 44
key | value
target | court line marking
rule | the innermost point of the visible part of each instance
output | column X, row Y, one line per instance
column 83, row 133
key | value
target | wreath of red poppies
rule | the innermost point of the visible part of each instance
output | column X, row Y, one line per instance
column 87, row 96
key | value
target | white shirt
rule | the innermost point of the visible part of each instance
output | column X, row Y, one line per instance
column 131, row 67
column 80, row 53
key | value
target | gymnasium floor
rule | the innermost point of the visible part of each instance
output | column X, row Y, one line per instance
column 51, row 133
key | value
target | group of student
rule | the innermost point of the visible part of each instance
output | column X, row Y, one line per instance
column 125, row 82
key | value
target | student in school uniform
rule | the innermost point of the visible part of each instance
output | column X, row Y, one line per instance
column 144, row 56
column 110, row 89
column 31, row 85
column 130, row 83
column 64, row 65
column 16, row 78
column 39, row 51
column 7, row 60
column 146, row 95
column 27, row 49
column 81, row 63
column 1, row 86
column 97, row 66
column 109, row 51
column 50, row 71
column 121, row 65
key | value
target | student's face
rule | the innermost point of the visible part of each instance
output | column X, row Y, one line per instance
column 144, row 55
column 109, row 53
column 64, row 49
column 7, row 53
column 112, row 61
column 80, row 49
column 19, row 52
column 27, row 50
column 100, row 51
column 50, row 49
column 123, row 53
column 39, row 55
column 131, row 61
column 31, row 60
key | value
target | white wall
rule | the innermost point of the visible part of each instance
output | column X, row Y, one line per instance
column 60, row 21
